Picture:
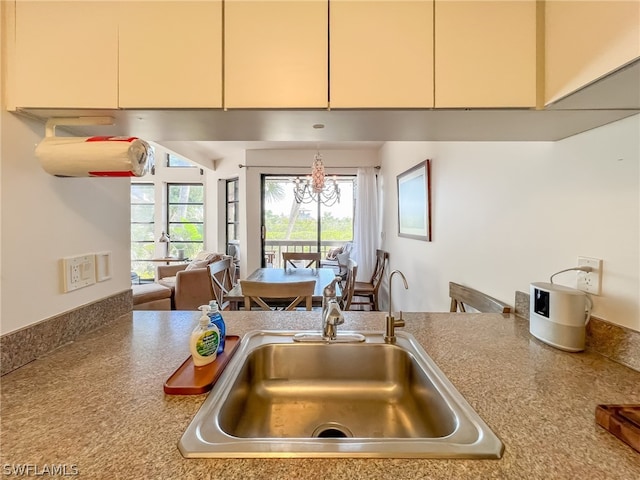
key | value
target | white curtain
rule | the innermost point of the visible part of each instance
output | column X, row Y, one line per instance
column 365, row 229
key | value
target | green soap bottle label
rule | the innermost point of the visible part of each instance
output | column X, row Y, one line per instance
column 207, row 343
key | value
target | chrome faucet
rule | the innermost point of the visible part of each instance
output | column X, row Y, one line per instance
column 331, row 313
column 331, row 318
column 392, row 323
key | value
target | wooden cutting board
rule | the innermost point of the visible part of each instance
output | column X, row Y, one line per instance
column 623, row 421
column 191, row 380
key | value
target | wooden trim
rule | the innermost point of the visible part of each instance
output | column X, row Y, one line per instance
column 461, row 296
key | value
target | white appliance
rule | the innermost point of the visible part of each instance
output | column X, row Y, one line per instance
column 558, row 315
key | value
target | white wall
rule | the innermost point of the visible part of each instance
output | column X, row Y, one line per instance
column 216, row 204
column 511, row 213
column 45, row 218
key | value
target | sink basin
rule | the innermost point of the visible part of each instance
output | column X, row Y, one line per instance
column 279, row 398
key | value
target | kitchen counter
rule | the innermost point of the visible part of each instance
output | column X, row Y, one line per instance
column 98, row 406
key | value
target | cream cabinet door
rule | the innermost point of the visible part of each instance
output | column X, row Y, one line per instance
column 485, row 53
column 276, row 54
column 381, row 54
column 171, row 54
column 586, row 40
column 66, row 54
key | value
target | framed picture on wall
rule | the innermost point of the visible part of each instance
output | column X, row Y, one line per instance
column 414, row 202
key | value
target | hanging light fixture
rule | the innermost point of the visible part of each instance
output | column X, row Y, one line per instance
column 316, row 187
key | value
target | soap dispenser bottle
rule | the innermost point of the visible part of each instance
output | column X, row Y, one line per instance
column 215, row 317
column 205, row 339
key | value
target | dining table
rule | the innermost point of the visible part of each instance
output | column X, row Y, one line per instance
column 322, row 276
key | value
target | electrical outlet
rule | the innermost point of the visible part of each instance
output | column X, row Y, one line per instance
column 78, row 272
column 590, row 282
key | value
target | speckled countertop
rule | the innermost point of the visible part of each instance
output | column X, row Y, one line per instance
column 98, row 404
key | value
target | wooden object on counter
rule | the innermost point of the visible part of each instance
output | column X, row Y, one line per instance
column 191, row 380
column 461, row 296
column 623, row 421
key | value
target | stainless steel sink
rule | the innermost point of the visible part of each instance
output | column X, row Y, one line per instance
column 278, row 398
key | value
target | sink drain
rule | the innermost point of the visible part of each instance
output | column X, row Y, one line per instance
column 331, row 430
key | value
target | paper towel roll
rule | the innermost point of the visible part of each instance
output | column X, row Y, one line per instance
column 93, row 156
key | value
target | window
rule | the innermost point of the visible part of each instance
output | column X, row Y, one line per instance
column 289, row 226
column 175, row 161
column 185, row 218
column 142, row 230
column 232, row 210
column 231, row 218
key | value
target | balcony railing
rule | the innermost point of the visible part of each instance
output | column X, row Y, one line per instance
column 274, row 249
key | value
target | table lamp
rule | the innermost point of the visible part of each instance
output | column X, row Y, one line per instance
column 164, row 238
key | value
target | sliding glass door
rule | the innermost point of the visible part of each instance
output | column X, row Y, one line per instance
column 308, row 226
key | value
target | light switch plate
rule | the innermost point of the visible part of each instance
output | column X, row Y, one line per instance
column 103, row 266
column 78, row 272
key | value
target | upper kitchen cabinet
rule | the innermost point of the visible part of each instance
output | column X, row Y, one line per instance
column 381, row 54
column 276, row 54
column 587, row 40
column 485, row 54
column 66, row 54
column 171, row 54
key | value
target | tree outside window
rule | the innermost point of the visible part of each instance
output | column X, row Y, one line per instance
column 185, row 218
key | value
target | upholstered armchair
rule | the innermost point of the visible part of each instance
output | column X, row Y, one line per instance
column 190, row 283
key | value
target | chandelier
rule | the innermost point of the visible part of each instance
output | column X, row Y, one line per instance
column 316, row 187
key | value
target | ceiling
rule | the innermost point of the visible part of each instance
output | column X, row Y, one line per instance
column 201, row 150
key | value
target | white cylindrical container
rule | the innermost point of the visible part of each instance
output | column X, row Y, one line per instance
column 93, row 156
column 558, row 315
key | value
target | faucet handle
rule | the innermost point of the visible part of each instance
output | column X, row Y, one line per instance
column 399, row 322
column 329, row 291
column 334, row 314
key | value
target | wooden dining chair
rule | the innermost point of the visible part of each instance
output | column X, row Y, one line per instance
column 222, row 273
column 369, row 290
column 348, row 284
column 310, row 259
column 271, row 295
column 461, row 296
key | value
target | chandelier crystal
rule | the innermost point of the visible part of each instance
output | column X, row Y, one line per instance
column 316, row 187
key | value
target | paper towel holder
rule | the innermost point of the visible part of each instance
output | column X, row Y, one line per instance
column 53, row 122
column 96, row 156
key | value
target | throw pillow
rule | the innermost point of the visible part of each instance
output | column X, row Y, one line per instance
column 197, row 264
column 203, row 259
column 343, row 259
